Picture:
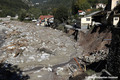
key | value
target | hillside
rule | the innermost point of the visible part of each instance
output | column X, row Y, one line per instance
column 11, row 7
column 52, row 3
column 67, row 3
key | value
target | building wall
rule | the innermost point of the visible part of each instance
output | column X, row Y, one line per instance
column 115, row 21
column 86, row 21
column 111, row 4
column 114, row 4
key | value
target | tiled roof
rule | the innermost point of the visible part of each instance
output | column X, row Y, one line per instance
column 45, row 16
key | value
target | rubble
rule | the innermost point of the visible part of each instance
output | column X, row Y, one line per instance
column 93, row 77
column 95, row 56
column 36, row 50
column 30, row 46
column 59, row 70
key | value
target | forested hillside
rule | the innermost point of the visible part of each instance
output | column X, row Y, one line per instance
column 11, row 7
column 67, row 3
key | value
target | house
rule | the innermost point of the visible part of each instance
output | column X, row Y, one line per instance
column 116, row 19
column 112, row 4
column 80, row 12
column 44, row 19
column 100, row 5
column 111, row 15
column 87, row 20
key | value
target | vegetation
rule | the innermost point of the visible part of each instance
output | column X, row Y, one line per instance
column 11, row 7
column 36, row 12
column 79, row 5
column 93, row 2
column 45, row 4
column 61, row 14
column 22, row 14
column 31, row 13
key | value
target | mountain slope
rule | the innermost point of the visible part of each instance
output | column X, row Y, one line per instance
column 52, row 3
column 67, row 3
column 11, row 7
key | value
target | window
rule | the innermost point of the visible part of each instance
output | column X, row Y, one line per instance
column 87, row 19
column 116, row 18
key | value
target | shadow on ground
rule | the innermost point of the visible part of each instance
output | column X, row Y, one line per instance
column 11, row 72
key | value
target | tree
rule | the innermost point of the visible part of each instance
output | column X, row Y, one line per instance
column 22, row 14
column 11, row 7
column 36, row 12
column 94, row 2
column 61, row 14
column 79, row 5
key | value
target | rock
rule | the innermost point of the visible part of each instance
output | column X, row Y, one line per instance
column 30, row 46
column 59, row 71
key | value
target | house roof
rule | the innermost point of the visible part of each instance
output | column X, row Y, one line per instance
column 93, row 13
column 42, row 17
column 80, row 11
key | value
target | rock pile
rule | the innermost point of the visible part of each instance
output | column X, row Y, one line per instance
column 30, row 46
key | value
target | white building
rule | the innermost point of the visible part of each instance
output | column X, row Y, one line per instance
column 85, row 21
column 100, row 5
column 116, row 19
column 112, row 4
